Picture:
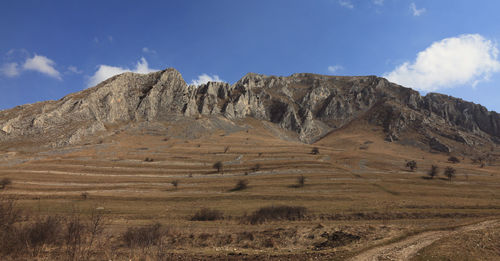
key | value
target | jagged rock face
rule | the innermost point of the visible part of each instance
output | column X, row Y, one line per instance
column 308, row 104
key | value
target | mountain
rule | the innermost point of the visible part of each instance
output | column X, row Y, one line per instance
column 303, row 106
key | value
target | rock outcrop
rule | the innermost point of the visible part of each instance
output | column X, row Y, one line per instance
column 310, row 105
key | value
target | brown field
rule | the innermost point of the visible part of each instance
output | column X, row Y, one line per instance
column 361, row 201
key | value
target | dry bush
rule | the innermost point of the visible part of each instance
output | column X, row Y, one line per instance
column 315, row 151
column 412, row 165
column 240, row 185
column 453, row 159
column 256, row 167
column 277, row 213
column 5, row 182
column 10, row 216
column 206, row 214
column 175, row 183
column 84, row 195
column 143, row 236
column 41, row 233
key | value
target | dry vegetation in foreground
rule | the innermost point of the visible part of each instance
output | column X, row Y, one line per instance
column 245, row 195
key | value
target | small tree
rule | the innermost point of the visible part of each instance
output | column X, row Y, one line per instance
column 240, row 185
column 315, row 151
column 5, row 182
column 219, row 166
column 175, row 183
column 433, row 171
column 449, row 172
column 412, row 165
column 453, row 159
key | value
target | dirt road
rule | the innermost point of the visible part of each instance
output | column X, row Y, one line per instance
column 406, row 248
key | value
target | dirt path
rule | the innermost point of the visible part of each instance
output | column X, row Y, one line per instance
column 407, row 248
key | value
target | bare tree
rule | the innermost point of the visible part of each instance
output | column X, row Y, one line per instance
column 449, row 172
column 219, row 166
column 433, row 171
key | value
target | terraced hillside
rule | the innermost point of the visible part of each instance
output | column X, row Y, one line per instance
column 357, row 192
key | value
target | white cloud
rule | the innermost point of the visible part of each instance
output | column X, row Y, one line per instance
column 147, row 50
column 466, row 59
column 73, row 69
column 346, row 4
column 105, row 71
column 10, row 69
column 43, row 65
column 378, row 2
column 415, row 10
column 334, row 68
column 204, row 78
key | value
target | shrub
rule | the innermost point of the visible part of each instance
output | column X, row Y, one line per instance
column 277, row 213
column 449, row 172
column 41, row 233
column 175, row 183
column 256, row 167
column 206, row 214
column 226, row 149
column 219, row 166
column 453, row 159
column 412, row 165
column 10, row 238
column 315, row 151
column 84, row 195
column 149, row 159
column 433, row 171
column 5, row 182
column 143, row 236
column 240, row 185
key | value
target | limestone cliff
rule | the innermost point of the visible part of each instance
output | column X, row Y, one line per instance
column 310, row 105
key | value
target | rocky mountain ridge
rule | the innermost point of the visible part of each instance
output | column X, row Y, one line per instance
column 308, row 104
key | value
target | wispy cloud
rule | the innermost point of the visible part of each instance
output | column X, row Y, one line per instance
column 73, row 69
column 205, row 78
column 378, row 2
column 43, row 65
column 346, row 4
column 334, row 68
column 148, row 50
column 10, row 69
column 105, row 39
column 465, row 59
column 415, row 10
column 106, row 71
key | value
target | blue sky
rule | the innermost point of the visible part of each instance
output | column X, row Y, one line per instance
column 51, row 48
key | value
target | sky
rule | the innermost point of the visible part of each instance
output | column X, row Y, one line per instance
column 49, row 49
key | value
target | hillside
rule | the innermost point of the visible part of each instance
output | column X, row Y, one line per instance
column 178, row 172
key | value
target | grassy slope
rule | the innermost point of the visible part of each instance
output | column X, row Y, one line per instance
column 357, row 184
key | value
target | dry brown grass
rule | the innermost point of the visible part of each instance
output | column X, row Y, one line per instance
column 366, row 193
